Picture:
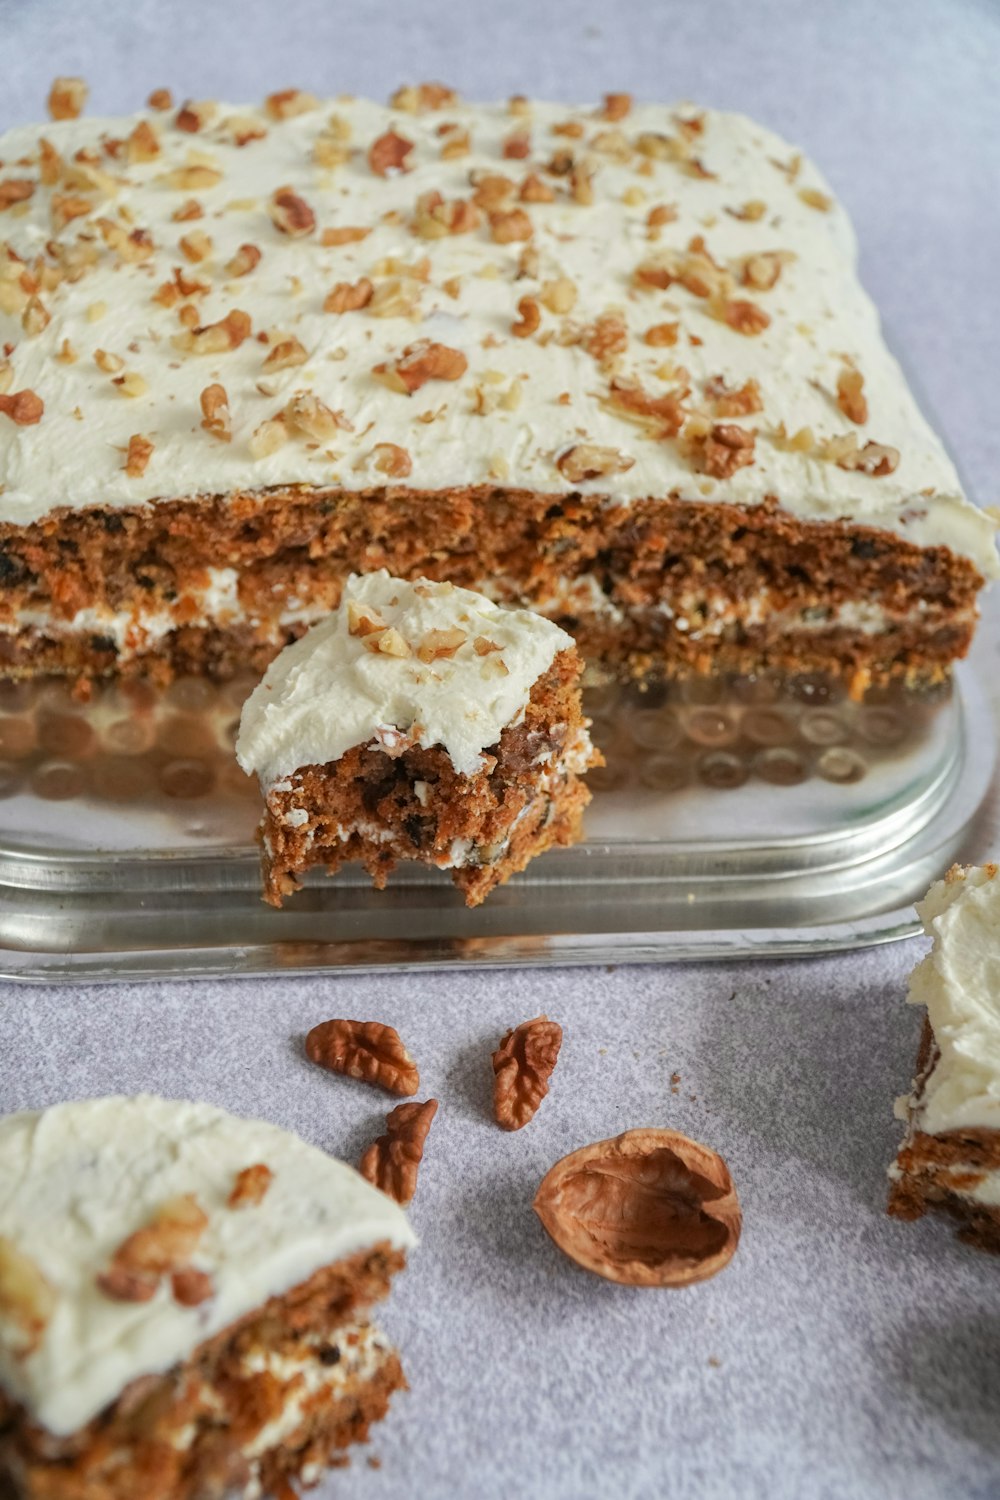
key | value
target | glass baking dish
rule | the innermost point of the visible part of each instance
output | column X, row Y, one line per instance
column 739, row 816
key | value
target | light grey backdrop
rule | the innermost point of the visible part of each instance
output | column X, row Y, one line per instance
column 841, row 1355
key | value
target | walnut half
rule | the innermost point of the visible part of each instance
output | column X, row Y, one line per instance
column 522, row 1066
column 647, row 1208
column 391, row 1162
column 364, row 1049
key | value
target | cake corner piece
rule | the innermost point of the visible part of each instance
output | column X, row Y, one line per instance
column 419, row 722
column 949, row 1159
column 206, row 1332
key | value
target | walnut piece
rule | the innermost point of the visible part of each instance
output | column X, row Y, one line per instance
column 287, row 103
column 349, row 297
column 616, row 106
column 745, row 317
column 733, row 401
column 727, row 448
column 874, row 459
column 851, row 394
column 345, row 236
column 439, row 645
column 215, row 338
column 522, row 1067
column 421, row 362
column 160, row 99
column 18, row 190
column 391, row 1163
column 250, row 1186
column 216, row 416
column 392, row 460
column 364, row 1049
column 67, row 96
column 137, row 456
column 26, row 1298
column 191, row 1287
column 647, row 1208
column 528, row 318
column 246, row 259
column 662, row 416
column 291, row 214
column 661, row 335
column 308, row 417
column 507, row 227
column 23, row 408
column 285, row 355
column 388, row 154
column 157, row 1249
column 590, row 461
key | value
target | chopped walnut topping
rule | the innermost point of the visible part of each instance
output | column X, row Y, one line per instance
column 559, row 296
column 342, row 236
column 438, row 644
column 188, row 210
column 534, row 190
column 606, row 339
column 392, row 460
column 851, row 394
column 67, row 97
column 161, row 99
column 483, row 646
column 389, row 153
column 733, row 401
column 348, row 297
column 160, row 1248
column 694, row 269
column 456, row 142
column 517, row 145
column 581, row 185
column 725, row 449
column 363, row 619
column 109, row 363
column 191, row 179
column 307, row 416
column 286, row 354
column 251, row 1186
column 509, row 226
column 528, row 318
column 244, row 129
column 131, row 385
column 423, row 98
column 287, row 103
column 801, row 441
column 196, row 246
column 661, row 335
column 421, row 362
column 26, row 1298
column 815, row 199
column 396, row 297
column 761, row 271
column 751, row 211
column 291, row 214
column 435, row 218
column 268, row 438
column 493, row 191
column 387, row 643
column 745, row 317
column 874, row 459
column 138, row 454
column 15, row 190
column 616, row 106
column 663, row 415
column 36, row 317
column 215, row 338
column 590, row 461
column 193, row 116
column 191, row 1287
column 246, row 259
column 216, row 416
column 131, row 246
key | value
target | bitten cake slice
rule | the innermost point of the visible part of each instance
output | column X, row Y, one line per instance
column 183, row 1303
column 420, row 721
column 950, row 1157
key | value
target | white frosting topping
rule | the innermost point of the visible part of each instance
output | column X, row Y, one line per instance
column 329, row 691
column 521, row 402
column 77, row 1179
column 959, row 983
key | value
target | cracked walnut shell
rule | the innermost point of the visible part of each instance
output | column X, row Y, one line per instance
column 364, row 1049
column 646, row 1208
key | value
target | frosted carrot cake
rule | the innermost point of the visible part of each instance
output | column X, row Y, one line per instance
column 184, row 1303
column 419, row 722
column 613, row 363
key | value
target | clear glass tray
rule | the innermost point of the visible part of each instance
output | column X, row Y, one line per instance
column 734, row 817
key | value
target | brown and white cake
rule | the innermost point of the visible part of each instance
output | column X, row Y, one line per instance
column 614, row 364
column 184, row 1303
column 950, row 1157
column 419, row 722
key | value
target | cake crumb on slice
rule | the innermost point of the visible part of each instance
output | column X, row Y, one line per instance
column 419, row 722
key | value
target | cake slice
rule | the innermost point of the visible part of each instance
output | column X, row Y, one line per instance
column 184, row 1303
column 609, row 362
column 419, row 722
column 950, row 1157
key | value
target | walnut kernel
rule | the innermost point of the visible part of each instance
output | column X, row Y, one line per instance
column 522, row 1067
column 391, row 1163
column 364, row 1049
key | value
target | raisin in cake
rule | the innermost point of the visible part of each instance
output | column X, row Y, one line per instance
column 183, row 1303
column 613, row 364
column 950, row 1157
column 419, row 722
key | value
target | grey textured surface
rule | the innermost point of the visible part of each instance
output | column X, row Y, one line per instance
column 840, row 1355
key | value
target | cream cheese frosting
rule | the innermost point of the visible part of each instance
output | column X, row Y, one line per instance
column 77, row 1179
column 959, row 983
column 130, row 206
column 460, row 669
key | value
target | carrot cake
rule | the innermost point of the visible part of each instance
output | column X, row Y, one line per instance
column 613, row 364
column 419, row 722
column 950, row 1157
column 184, row 1303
